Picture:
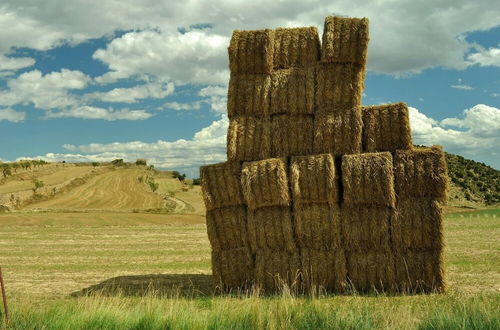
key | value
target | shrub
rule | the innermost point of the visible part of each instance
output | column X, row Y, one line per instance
column 141, row 162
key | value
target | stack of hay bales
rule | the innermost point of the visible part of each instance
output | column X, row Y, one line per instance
column 320, row 193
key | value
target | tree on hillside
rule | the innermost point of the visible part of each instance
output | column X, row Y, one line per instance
column 38, row 184
column 15, row 166
column 141, row 162
column 6, row 171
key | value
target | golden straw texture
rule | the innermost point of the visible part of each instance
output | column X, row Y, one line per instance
column 292, row 91
column 345, row 40
column 338, row 133
column 420, row 271
column 386, row 128
column 314, row 179
column 227, row 228
column 421, row 173
column 233, row 269
column 368, row 179
column 251, row 51
column 248, row 138
column 271, row 228
column 370, row 271
column 296, row 47
column 221, row 185
column 323, row 270
column 318, row 226
column 365, row 228
column 265, row 183
column 249, row 94
column 291, row 135
column 276, row 269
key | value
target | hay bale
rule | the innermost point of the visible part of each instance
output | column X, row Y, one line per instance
column 251, row 51
column 419, row 271
column 339, row 87
column 337, row 134
column 221, row 185
column 227, row 228
column 271, row 228
column 233, row 269
column 248, row 138
column 276, row 269
column 296, row 47
column 370, row 271
column 417, row 223
column 265, row 183
column 345, row 40
column 323, row 270
column 365, row 228
column 249, row 94
column 318, row 226
column 368, row 179
column 421, row 173
column 386, row 128
column 314, row 179
column 292, row 91
column 291, row 135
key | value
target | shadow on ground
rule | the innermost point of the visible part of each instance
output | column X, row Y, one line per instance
column 170, row 285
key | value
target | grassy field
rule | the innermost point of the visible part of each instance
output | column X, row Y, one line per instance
column 153, row 271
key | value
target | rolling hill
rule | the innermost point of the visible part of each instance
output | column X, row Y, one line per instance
column 141, row 189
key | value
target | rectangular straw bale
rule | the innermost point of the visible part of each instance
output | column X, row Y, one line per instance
column 271, row 228
column 386, row 128
column 368, row 179
column 249, row 94
column 417, row 223
column 338, row 133
column 420, row 271
column 251, row 51
column 265, row 183
column 292, row 91
column 296, row 47
column 227, row 228
column 371, row 271
column 318, row 226
column 233, row 269
column 314, row 179
column 221, row 185
column 339, row 87
column 323, row 270
column 365, row 228
column 276, row 269
column 421, row 173
column 248, row 138
column 291, row 135
column 345, row 40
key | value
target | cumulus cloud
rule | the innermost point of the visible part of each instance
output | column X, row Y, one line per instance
column 487, row 57
column 197, row 57
column 134, row 94
column 15, row 63
column 476, row 135
column 462, row 87
column 11, row 115
column 187, row 106
column 44, row 91
column 89, row 112
column 406, row 36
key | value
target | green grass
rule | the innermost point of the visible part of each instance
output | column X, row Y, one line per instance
column 135, row 262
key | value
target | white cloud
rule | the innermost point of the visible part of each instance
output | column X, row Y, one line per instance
column 133, row 94
column 463, row 87
column 44, row 91
column 196, row 57
column 206, row 147
column 487, row 57
column 89, row 112
column 182, row 106
column 478, row 137
column 15, row 63
column 406, row 36
column 213, row 91
column 11, row 115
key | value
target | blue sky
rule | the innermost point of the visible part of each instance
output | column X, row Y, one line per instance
column 98, row 80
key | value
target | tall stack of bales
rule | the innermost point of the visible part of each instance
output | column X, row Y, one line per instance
column 320, row 193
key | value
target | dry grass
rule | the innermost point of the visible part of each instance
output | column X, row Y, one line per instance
column 249, row 138
column 249, row 94
column 291, row 135
column 317, row 226
column 338, row 133
column 221, row 185
column 296, row 47
column 227, row 228
column 386, row 128
column 232, row 269
column 271, row 228
column 292, row 91
column 314, row 179
column 251, row 51
column 368, row 179
column 345, row 40
column 265, row 183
